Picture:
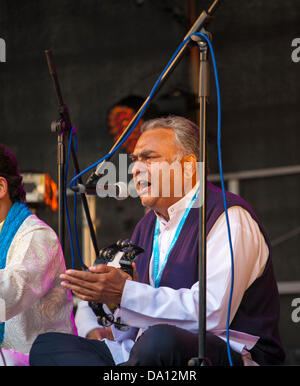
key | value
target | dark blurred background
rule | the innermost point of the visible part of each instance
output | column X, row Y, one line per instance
column 108, row 50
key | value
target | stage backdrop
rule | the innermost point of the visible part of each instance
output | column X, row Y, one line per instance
column 108, row 50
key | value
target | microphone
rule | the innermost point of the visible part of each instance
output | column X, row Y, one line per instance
column 90, row 186
column 119, row 190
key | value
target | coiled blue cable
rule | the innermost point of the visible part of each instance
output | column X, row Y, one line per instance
column 75, row 205
column 75, row 211
column 66, row 198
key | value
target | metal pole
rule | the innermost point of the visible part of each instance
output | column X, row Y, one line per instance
column 203, row 94
column 202, row 97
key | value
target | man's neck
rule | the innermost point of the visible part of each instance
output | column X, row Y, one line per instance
column 164, row 211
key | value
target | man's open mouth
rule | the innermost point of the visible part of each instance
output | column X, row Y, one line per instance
column 143, row 186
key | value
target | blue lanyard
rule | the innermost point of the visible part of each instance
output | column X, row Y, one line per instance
column 157, row 275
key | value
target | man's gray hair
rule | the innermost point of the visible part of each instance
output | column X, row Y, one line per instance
column 186, row 132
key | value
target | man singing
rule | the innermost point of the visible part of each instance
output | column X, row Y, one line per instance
column 162, row 307
column 31, row 260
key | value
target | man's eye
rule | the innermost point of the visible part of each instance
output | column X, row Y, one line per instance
column 151, row 157
column 148, row 159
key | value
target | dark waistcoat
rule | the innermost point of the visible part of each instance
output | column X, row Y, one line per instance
column 258, row 313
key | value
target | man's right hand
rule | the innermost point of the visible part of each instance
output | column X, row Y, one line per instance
column 100, row 333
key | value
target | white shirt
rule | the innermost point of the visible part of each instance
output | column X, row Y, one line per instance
column 35, row 302
column 143, row 305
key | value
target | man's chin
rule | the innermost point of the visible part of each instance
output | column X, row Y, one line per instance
column 148, row 201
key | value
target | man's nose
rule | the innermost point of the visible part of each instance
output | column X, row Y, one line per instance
column 135, row 170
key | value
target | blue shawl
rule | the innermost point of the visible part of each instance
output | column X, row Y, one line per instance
column 15, row 218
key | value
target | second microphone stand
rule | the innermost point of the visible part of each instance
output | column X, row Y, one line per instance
column 63, row 127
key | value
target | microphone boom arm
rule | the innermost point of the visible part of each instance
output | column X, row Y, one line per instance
column 203, row 20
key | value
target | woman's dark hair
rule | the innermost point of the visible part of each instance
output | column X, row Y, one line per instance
column 10, row 171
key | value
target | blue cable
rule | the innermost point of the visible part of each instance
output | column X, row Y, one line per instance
column 75, row 212
column 75, row 205
column 223, row 190
column 66, row 199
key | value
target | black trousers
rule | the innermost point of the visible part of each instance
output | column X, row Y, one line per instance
column 160, row 345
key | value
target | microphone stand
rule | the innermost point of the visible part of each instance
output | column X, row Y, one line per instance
column 200, row 23
column 63, row 127
column 203, row 94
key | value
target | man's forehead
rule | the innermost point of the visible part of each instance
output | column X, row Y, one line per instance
column 154, row 139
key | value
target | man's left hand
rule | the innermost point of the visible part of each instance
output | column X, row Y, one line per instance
column 104, row 284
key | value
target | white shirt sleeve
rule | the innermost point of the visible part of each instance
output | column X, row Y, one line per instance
column 143, row 305
column 85, row 319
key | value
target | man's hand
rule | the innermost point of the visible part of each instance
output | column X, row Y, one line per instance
column 104, row 284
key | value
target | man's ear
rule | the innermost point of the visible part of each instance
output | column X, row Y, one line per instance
column 3, row 187
column 189, row 164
